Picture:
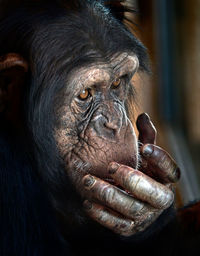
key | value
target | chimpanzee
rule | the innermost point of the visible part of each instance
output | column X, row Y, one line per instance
column 74, row 179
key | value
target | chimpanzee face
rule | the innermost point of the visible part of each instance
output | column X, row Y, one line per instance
column 94, row 128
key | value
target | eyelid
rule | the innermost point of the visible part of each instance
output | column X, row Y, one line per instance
column 124, row 77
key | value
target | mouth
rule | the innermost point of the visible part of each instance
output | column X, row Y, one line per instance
column 97, row 163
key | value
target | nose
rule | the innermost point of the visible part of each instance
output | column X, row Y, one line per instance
column 108, row 127
column 113, row 124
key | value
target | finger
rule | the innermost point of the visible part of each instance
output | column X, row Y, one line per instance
column 109, row 219
column 147, row 131
column 141, row 186
column 158, row 163
column 114, row 198
column 142, row 223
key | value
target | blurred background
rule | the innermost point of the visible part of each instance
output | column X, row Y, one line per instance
column 170, row 29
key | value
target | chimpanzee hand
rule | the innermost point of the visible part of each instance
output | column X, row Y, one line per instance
column 155, row 162
column 137, row 199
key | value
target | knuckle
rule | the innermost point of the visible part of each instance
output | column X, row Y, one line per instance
column 128, row 230
column 166, row 200
column 146, row 220
column 166, row 162
column 137, row 208
column 108, row 194
column 170, row 199
column 147, row 150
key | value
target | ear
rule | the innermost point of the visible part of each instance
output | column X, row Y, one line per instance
column 12, row 77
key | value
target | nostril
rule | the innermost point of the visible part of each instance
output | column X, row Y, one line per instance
column 113, row 128
column 109, row 129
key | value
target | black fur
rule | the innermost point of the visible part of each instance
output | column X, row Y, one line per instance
column 27, row 224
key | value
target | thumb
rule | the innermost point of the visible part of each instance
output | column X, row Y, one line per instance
column 147, row 131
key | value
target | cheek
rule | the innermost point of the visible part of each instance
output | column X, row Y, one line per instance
column 65, row 132
column 65, row 142
column 93, row 153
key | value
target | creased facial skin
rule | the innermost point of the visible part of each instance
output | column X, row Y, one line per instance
column 97, row 131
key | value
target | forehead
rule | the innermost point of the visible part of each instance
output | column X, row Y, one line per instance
column 117, row 65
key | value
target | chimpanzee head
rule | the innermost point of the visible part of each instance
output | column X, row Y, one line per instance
column 66, row 71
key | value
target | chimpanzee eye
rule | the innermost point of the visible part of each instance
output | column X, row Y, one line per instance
column 85, row 94
column 116, row 83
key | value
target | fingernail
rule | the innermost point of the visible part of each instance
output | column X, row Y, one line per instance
column 87, row 205
column 113, row 167
column 146, row 116
column 88, row 181
column 147, row 150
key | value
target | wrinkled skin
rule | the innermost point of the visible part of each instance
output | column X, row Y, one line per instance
column 123, row 188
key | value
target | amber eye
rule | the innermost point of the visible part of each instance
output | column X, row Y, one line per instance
column 84, row 94
column 116, row 83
